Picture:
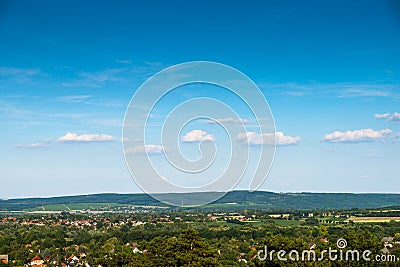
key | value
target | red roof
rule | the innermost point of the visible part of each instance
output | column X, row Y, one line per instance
column 36, row 258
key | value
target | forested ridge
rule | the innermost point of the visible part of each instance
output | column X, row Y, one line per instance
column 261, row 199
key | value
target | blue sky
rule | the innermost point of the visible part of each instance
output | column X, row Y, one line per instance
column 329, row 70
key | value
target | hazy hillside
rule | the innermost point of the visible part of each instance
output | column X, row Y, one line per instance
column 241, row 199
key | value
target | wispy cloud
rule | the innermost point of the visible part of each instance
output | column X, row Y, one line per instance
column 396, row 137
column 95, row 79
column 229, row 120
column 13, row 112
column 197, row 136
column 33, row 145
column 12, row 71
column 72, row 137
column 278, row 138
column 26, row 113
column 123, row 61
column 125, row 75
column 357, row 136
column 365, row 91
column 43, row 144
column 146, row 149
column 74, row 98
column 20, row 75
column 90, row 100
column 343, row 89
column 69, row 138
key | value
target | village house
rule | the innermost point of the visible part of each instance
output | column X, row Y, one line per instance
column 387, row 244
column 4, row 259
column 37, row 262
column 72, row 260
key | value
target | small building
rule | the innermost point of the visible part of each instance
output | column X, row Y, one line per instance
column 136, row 250
column 4, row 259
column 385, row 250
column 37, row 262
column 274, row 216
column 72, row 260
column 387, row 239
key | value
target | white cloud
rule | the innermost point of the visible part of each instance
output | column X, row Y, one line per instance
column 72, row 137
column 253, row 138
column 34, row 145
column 229, row 120
column 197, row 136
column 356, row 136
column 281, row 139
column 146, row 149
column 395, row 117
column 381, row 116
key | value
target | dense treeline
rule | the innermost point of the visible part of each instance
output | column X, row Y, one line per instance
column 181, row 243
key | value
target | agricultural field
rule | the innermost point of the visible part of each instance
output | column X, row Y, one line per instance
column 373, row 219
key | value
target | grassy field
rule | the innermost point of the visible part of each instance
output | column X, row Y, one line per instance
column 373, row 219
column 286, row 222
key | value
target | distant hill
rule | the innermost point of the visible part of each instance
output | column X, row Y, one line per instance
column 241, row 200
